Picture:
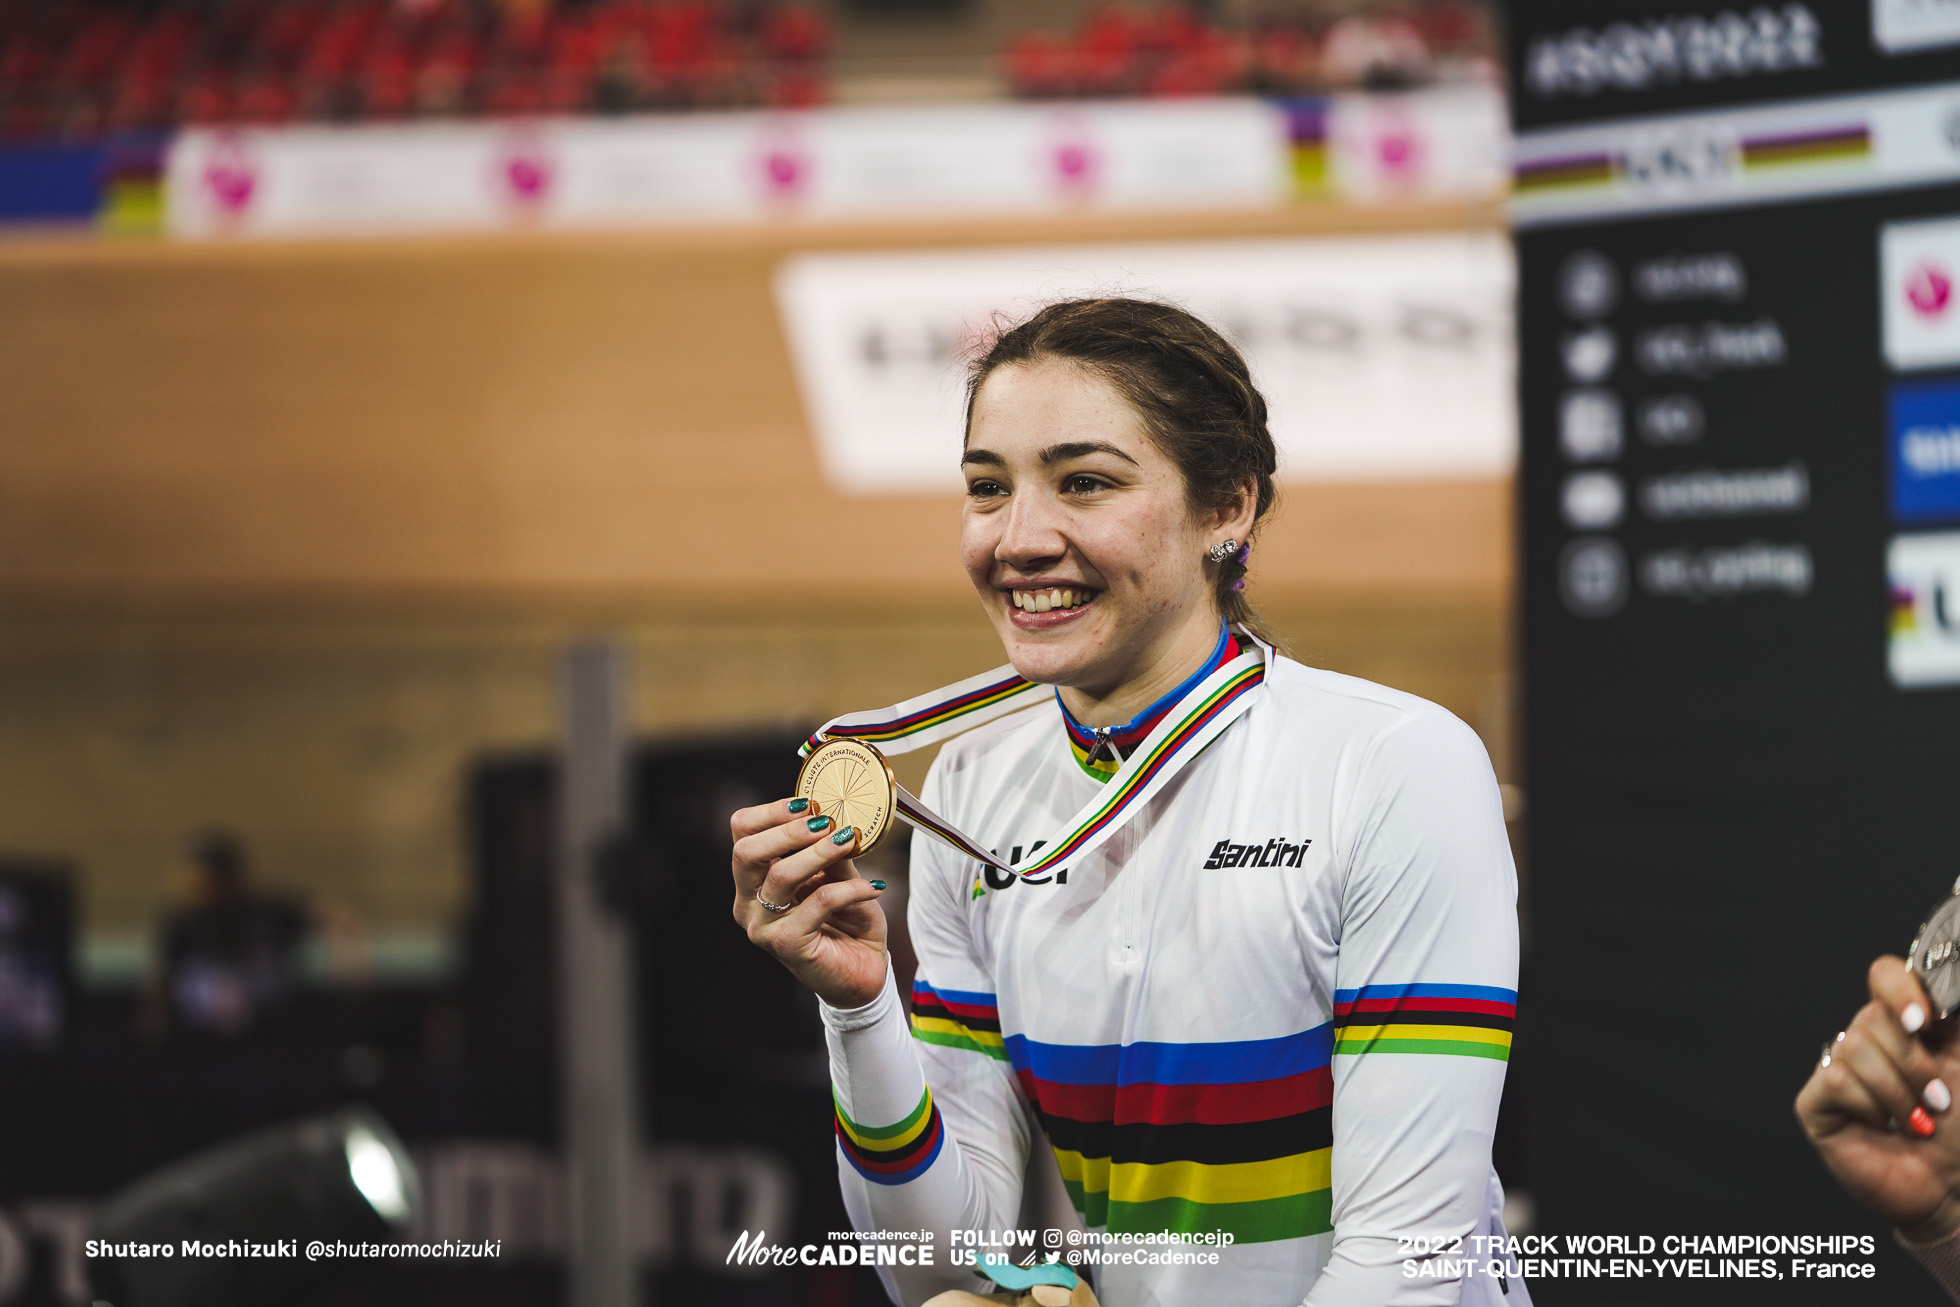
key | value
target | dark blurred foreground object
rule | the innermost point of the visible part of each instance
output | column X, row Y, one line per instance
column 344, row 1177
column 37, row 966
column 735, row 1086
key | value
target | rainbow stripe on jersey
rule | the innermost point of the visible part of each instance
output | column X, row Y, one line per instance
column 956, row 1018
column 893, row 1154
column 1461, row 1020
column 1190, row 1137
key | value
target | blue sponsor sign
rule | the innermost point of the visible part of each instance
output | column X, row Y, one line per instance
column 1926, row 451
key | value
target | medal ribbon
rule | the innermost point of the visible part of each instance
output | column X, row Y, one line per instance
column 1200, row 717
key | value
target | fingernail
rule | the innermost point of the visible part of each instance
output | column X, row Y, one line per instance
column 1921, row 1122
column 817, row 823
column 798, row 805
column 1912, row 1018
column 844, row 836
column 879, row 884
column 1937, row 1095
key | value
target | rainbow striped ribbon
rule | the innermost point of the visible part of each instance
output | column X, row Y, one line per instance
column 1200, row 717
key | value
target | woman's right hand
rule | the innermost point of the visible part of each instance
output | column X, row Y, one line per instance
column 1867, row 1112
column 833, row 936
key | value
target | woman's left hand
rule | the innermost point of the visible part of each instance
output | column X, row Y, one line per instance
column 829, row 930
column 1877, row 1113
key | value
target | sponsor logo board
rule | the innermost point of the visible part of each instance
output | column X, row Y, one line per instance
column 1925, row 426
column 1918, row 264
column 1924, row 572
column 1382, row 357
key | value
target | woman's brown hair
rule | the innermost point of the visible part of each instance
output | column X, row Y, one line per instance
column 1190, row 386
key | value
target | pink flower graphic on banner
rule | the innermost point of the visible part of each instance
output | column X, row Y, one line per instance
column 1400, row 151
column 783, row 162
column 1074, row 162
column 1929, row 289
column 528, row 177
column 784, row 170
column 231, row 175
column 526, row 168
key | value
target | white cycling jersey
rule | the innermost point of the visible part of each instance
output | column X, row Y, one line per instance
column 1276, row 1005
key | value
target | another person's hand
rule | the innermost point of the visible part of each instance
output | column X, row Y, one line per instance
column 1877, row 1109
column 832, row 938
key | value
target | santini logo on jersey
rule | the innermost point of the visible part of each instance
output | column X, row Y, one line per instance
column 1273, row 853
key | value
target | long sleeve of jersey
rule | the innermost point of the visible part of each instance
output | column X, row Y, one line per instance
column 932, row 1130
column 1425, row 995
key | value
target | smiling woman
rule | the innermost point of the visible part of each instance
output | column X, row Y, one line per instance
column 1164, row 457
column 1292, row 1054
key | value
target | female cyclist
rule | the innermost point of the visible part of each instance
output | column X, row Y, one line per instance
column 1267, row 1019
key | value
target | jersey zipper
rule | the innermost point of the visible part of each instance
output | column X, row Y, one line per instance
column 1104, row 742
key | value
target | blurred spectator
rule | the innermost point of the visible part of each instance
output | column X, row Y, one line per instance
column 230, row 956
column 1171, row 51
column 1381, row 53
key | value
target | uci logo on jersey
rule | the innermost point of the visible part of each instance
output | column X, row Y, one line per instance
column 1273, row 853
column 995, row 878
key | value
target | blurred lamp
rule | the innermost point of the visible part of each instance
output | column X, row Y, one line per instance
column 343, row 1177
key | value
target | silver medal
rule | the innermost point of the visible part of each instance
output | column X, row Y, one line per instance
column 1935, row 955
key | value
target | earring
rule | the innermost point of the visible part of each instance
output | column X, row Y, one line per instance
column 1223, row 550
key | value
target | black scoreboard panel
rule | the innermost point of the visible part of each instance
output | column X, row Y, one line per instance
column 1575, row 60
column 1740, row 566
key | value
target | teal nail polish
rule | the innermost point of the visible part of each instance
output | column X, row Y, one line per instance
column 844, row 836
column 877, row 884
column 817, row 823
column 798, row 805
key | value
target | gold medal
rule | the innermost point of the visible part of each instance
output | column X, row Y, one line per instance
column 850, row 784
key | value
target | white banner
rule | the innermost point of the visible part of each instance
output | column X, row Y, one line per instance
column 745, row 167
column 846, row 163
column 1381, row 356
column 1449, row 142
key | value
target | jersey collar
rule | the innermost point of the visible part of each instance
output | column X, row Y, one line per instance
column 1100, row 750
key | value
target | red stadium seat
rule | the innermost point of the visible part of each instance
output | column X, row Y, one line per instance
column 794, row 34
column 205, row 101
column 265, row 101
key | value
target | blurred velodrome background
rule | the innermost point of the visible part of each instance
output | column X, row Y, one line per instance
column 356, row 358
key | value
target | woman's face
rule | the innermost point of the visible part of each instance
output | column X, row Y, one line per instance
column 1076, row 530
